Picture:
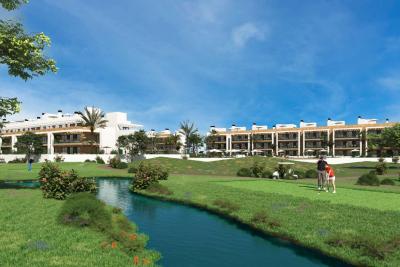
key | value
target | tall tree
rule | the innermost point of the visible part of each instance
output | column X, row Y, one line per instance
column 22, row 53
column 195, row 141
column 133, row 144
column 93, row 118
column 187, row 128
column 29, row 144
column 173, row 142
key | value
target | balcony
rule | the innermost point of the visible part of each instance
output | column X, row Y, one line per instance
column 262, row 137
column 240, row 138
column 288, row 137
column 316, row 135
column 347, row 134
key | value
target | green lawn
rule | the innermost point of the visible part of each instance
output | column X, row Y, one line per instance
column 18, row 171
column 296, row 211
column 30, row 236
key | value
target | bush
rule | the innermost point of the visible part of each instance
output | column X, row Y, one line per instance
column 58, row 184
column 132, row 169
column 89, row 160
column 381, row 168
column 148, row 174
column 381, row 159
column 368, row 179
column 17, row 160
column 395, row 159
column 282, row 170
column 244, row 172
column 116, row 163
column 114, row 152
column 387, row 181
column 58, row 159
column 311, row 173
column 257, row 169
column 99, row 160
column 300, row 174
column 85, row 210
column 266, row 174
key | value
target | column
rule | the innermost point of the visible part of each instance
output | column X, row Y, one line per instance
column 333, row 142
column 1, row 142
column 277, row 144
column 13, row 141
column 361, row 141
column 249, row 145
column 50, row 143
column 298, row 144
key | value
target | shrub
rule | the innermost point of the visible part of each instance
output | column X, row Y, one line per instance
column 368, row 179
column 381, row 168
column 387, row 181
column 244, row 172
column 300, row 174
column 257, row 169
column 226, row 205
column 266, row 174
column 381, row 159
column 148, row 174
column 282, row 170
column 116, row 163
column 159, row 189
column 132, row 169
column 311, row 173
column 17, row 160
column 85, row 210
column 259, row 217
column 88, row 160
column 58, row 159
column 114, row 152
column 99, row 160
column 58, row 184
column 395, row 159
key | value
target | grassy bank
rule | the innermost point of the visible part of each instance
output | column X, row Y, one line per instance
column 357, row 226
column 31, row 236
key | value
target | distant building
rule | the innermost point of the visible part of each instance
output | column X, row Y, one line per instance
column 336, row 139
column 64, row 133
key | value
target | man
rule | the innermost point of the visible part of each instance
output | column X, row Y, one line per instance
column 321, row 169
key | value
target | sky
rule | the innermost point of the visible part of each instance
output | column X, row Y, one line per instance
column 215, row 62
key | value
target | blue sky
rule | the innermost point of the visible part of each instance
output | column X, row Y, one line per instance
column 216, row 62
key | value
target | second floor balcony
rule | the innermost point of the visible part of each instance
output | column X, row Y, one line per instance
column 347, row 134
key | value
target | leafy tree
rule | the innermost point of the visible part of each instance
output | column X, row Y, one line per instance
column 187, row 129
column 93, row 118
column 29, row 144
column 211, row 139
column 22, row 53
column 195, row 141
column 133, row 144
column 8, row 106
column 173, row 142
column 391, row 137
column 375, row 142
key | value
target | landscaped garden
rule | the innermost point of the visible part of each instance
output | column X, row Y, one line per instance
column 358, row 225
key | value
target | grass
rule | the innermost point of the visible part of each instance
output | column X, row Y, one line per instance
column 31, row 236
column 366, row 221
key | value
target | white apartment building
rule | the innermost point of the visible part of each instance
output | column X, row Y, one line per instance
column 64, row 133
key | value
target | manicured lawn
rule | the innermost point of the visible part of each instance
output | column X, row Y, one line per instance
column 18, row 171
column 363, row 224
column 30, row 235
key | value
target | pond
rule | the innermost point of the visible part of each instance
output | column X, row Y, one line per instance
column 188, row 237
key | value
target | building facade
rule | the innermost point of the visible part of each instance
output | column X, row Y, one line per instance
column 64, row 133
column 165, row 142
column 309, row 139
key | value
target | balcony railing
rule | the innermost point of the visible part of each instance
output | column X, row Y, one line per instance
column 287, row 137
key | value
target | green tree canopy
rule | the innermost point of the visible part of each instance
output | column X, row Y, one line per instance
column 29, row 144
column 8, row 106
column 391, row 136
column 133, row 144
column 187, row 128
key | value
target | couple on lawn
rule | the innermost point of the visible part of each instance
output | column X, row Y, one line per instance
column 326, row 176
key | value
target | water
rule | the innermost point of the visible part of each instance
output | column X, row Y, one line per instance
column 190, row 237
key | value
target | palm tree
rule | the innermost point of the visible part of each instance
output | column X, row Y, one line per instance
column 187, row 129
column 93, row 118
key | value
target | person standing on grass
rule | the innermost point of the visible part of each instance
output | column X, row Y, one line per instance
column 331, row 179
column 321, row 169
column 30, row 161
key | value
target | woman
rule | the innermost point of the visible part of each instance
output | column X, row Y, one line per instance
column 331, row 178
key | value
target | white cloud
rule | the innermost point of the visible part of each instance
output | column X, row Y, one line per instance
column 243, row 33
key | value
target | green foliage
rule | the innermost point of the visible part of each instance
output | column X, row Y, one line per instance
column 226, row 205
column 134, row 144
column 58, row 159
column 58, row 184
column 190, row 132
column 266, row 174
column 368, row 179
column 85, row 210
column 244, row 172
column 116, row 163
column 387, row 181
column 29, row 144
column 257, row 169
column 132, row 169
column 381, row 159
column 391, row 136
column 395, row 159
column 89, row 160
column 381, row 168
column 282, row 170
column 17, row 160
column 12, row 4
column 148, row 174
column 23, row 53
column 261, row 217
column 93, row 118
column 300, row 174
column 99, row 160
column 8, row 106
